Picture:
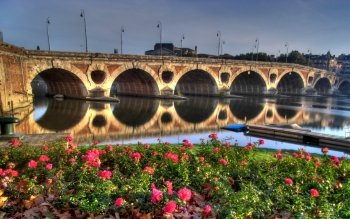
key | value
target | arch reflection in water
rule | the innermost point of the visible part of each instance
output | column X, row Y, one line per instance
column 135, row 112
column 246, row 109
column 196, row 110
column 61, row 115
column 287, row 108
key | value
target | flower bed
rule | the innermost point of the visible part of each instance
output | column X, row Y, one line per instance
column 210, row 180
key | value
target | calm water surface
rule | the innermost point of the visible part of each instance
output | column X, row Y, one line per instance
column 146, row 120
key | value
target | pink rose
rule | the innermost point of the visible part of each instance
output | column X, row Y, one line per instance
column 33, row 164
column 184, row 194
column 119, row 202
column 170, row 207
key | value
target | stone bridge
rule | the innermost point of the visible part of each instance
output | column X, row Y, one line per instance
column 25, row 73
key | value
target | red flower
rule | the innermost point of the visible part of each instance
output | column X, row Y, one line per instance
column 157, row 195
column 45, row 148
column 207, row 209
column 119, row 202
column 261, row 141
column 49, row 166
column 32, row 164
column 15, row 142
column 44, row 158
column 223, row 162
column 314, row 192
column 184, row 194
column 148, row 169
column 288, row 181
column 172, row 156
column 213, row 136
column 109, row 147
column 335, row 160
column 325, row 150
column 170, row 207
column 201, row 159
column 104, row 174
column 278, row 155
column 69, row 138
column 169, row 186
column 135, row 156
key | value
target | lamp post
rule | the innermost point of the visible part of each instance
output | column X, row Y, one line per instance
column 159, row 26
column 222, row 47
column 82, row 14
column 287, row 47
column 47, row 32
column 257, row 48
column 182, row 39
column 308, row 60
column 254, row 47
column 121, row 39
column 219, row 42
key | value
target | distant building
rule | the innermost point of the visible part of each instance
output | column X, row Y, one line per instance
column 168, row 49
column 325, row 61
column 344, row 61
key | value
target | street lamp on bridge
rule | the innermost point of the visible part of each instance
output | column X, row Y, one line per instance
column 182, row 39
column 287, row 47
column 219, row 42
column 308, row 60
column 47, row 32
column 82, row 14
column 159, row 26
column 121, row 39
column 257, row 48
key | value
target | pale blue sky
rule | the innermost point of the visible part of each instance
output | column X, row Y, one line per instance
column 319, row 25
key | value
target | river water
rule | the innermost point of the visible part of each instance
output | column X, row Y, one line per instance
column 149, row 120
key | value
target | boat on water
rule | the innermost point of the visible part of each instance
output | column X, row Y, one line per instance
column 293, row 134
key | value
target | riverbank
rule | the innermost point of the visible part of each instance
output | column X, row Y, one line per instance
column 209, row 180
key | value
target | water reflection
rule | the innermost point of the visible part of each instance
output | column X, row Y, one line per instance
column 136, row 117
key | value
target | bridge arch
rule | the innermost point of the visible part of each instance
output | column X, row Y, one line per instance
column 344, row 87
column 249, row 82
column 198, row 82
column 290, row 82
column 323, row 85
column 57, row 81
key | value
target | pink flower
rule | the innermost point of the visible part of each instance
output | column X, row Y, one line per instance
column 44, row 158
column 135, row 156
column 223, row 162
column 148, row 169
column 207, row 209
column 104, row 174
column 335, row 160
column 261, row 142
column 172, row 156
column 119, row 202
column 201, row 159
column 32, row 164
column 109, row 147
column 184, row 194
column 278, row 155
column 314, row 192
column 72, row 160
column 169, row 186
column 213, row 136
column 170, row 207
column 45, row 148
column 15, row 142
column 288, row 181
column 157, row 195
column 325, row 150
column 69, row 138
column 49, row 166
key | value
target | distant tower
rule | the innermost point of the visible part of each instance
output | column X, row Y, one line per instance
column 1, row 37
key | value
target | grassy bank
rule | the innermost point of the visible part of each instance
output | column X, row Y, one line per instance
column 209, row 180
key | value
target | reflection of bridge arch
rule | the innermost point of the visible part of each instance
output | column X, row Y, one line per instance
column 290, row 82
column 58, row 81
column 247, row 111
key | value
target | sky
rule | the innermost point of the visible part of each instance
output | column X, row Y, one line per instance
column 306, row 25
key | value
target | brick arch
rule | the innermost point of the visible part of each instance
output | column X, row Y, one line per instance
column 290, row 71
column 340, row 83
column 201, row 88
column 98, row 67
column 165, row 68
column 242, row 70
column 44, row 67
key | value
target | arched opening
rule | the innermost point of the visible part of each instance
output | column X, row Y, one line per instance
column 323, row 86
column 58, row 81
column 290, row 83
column 196, row 83
column 135, row 113
column 98, row 76
column 248, row 82
column 167, row 76
column 344, row 87
column 246, row 109
column 134, row 82
column 225, row 77
column 99, row 121
column 196, row 110
column 60, row 115
column 166, row 118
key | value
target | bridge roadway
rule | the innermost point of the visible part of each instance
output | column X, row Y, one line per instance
column 25, row 73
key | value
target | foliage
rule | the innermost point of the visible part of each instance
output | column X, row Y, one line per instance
column 212, row 179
